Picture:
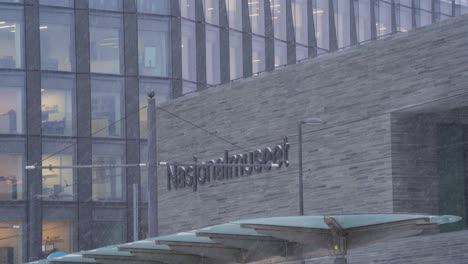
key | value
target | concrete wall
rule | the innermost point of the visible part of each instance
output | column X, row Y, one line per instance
column 347, row 162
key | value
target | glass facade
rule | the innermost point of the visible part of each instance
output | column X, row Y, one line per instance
column 234, row 9
column 153, row 47
column 107, row 107
column 106, row 43
column 108, row 183
column 235, row 54
column 161, row 88
column 57, row 40
column 12, row 174
column 57, row 105
column 56, row 236
column 11, row 37
column 212, row 55
column 160, row 7
column 188, row 51
column 11, row 249
column 12, row 106
column 57, row 184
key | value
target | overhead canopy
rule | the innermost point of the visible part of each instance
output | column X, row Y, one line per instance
column 265, row 240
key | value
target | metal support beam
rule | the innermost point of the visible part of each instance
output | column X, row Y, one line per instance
column 247, row 67
column 332, row 37
column 176, row 49
column 290, row 34
column 224, row 60
column 153, row 221
column 311, row 39
column 269, row 38
column 200, row 43
column 352, row 21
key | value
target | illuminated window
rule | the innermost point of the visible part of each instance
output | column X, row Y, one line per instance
column 11, row 103
column 57, row 105
column 257, row 16
column 56, row 236
column 211, row 11
column 11, row 242
column 278, row 16
column 12, row 162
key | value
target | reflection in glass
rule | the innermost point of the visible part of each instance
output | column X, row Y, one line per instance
column 235, row 54
column 56, row 236
column 57, row 40
column 153, row 47
column 114, row 5
column 278, row 16
column 187, row 8
column 299, row 8
column 342, row 22
column 105, row 36
column 57, row 184
column 11, row 37
column 57, row 105
column 162, row 94
column 257, row 16
column 404, row 20
column 188, row 51
column 301, row 52
column 280, row 53
column 212, row 55
column 211, row 11
column 107, row 107
column 234, row 9
column 11, row 103
column 108, row 182
column 160, row 7
column 110, row 233
column 11, row 243
column 258, row 54
column 363, row 20
column 12, row 169
column 423, row 18
column 321, row 15
column 383, row 18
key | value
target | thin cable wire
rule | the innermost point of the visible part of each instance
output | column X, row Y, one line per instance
column 111, row 124
column 201, row 128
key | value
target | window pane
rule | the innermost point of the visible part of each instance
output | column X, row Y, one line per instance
column 342, row 22
column 404, row 19
column 115, row 5
column 424, row 4
column 57, row 184
column 212, row 55
column 153, row 47
column 64, row 3
column 11, row 37
column 11, row 243
column 57, row 40
column 110, row 233
column 188, row 51
column 383, row 18
column 280, row 53
column 12, row 103
column 211, row 11
column 56, row 236
column 463, row 6
column 144, row 172
column 258, row 54
column 234, row 8
column 235, row 54
column 446, row 7
column 321, row 23
column 257, row 16
column 187, row 8
column 189, row 87
column 106, row 43
column 162, row 94
column 108, row 182
column 278, row 15
column 154, row 6
column 12, row 162
column 57, row 95
column 363, row 20
column 107, row 107
column 300, row 21
column 301, row 52
column 11, row 1
column 423, row 18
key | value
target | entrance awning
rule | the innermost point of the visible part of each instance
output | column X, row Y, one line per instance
column 265, row 240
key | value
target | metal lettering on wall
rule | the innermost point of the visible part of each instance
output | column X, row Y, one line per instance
column 179, row 177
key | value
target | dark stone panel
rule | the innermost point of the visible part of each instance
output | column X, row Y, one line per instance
column 246, row 41
column 224, row 42
column 130, row 44
column 200, row 43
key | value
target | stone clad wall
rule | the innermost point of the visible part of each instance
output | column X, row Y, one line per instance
column 347, row 162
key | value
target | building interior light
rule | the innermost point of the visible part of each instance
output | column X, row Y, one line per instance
column 210, row 9
column 382, row 28
column 13, row 31
column 254, row 61
column 108, row 44
column 252, row 15
column 253, row 3
column 43, row 27
column 42, row 89
column 2, row 22
column 318, row 11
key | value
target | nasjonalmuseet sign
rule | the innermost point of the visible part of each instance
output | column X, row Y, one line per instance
column 179, row 177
